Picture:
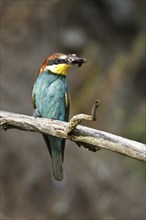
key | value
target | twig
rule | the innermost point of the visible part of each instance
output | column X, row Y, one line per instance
column 81, row 134
column 77, row 119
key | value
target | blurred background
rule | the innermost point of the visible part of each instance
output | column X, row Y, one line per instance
column 110, row 35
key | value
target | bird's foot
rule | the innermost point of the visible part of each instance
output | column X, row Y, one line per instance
column 53, row 119
column 36, row 113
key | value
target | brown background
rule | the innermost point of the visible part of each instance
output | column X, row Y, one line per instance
column 110, row 35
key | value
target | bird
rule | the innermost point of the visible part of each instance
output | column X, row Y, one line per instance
column 51, row 100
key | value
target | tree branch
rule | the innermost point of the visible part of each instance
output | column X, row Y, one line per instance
column 87, row 137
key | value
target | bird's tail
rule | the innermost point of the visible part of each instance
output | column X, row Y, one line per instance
column 56, row 148
column 57, row 167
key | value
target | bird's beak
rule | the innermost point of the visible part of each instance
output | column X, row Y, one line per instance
column 73, row 59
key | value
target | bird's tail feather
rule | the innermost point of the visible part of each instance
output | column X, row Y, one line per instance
column 57, row 167
column 56, row 149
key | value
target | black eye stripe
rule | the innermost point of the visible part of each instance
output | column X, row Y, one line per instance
column 56, row 61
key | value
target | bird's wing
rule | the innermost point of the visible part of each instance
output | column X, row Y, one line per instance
column 67, row 103
column 33, row 99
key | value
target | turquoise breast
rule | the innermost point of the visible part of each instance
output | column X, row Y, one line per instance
column 49, row 91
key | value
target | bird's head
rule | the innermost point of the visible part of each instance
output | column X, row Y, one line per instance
column 59, row 63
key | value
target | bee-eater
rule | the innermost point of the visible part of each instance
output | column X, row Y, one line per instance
column 51, row 100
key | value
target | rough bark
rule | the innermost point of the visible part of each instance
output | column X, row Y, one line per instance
column 89, row 138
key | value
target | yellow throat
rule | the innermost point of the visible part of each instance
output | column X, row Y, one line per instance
column 60, row 69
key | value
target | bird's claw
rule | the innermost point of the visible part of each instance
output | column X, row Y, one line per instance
column 36, row 113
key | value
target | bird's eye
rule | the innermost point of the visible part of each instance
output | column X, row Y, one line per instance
column 58, row 61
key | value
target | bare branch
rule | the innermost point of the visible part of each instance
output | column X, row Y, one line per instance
column 88, row 137
column 77, row 119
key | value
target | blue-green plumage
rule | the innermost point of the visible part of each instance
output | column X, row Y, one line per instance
column 50, row 101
